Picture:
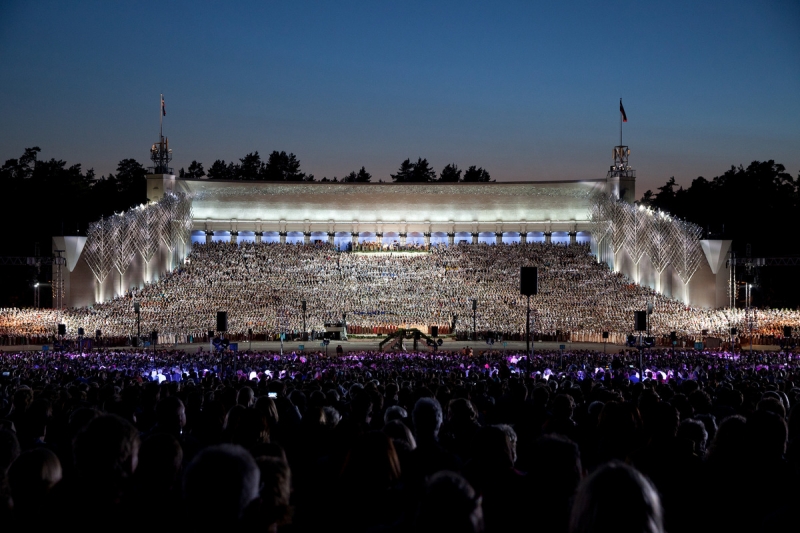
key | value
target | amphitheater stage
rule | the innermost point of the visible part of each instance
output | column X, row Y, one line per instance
column 372, row 345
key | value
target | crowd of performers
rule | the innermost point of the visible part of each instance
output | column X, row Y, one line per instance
column 261, row 286
column 457, row 441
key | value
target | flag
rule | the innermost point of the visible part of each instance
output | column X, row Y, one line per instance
column 622, row 111
column 164, row 108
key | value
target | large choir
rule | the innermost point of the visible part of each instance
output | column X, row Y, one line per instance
column 261, row 286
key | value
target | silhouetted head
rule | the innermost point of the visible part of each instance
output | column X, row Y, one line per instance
column 9, row 450
column 427, row 418
column 276, row 488
column 171, row 415
column 160, row 459
column 107, row 448
column 694, row 431
column 222, row 479
column 597, row 504
column 400, row 433
column 246, row 397
column 394, row 412
column 372, row 463
column 32, row 476
column 493, row 448
column 450, row 504
column 557, row 461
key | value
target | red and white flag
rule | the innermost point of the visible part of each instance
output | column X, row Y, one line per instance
column 621, row 110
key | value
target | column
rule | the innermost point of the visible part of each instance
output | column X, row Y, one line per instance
column 427, row 236
column 259, row 235
column 475, row 238
column 523, row 237
column 498, row 237
column 403, row 239
column 573, row 237
column 235, row 236
column 451, row 239
column 306, row 237
column 331, row 236
column 548, row 236
column 379, row 238
column 282, row 235
column 209, row 236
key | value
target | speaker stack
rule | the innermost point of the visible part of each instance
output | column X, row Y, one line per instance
column 222, row 321
column 640, row 320
column 528, row 281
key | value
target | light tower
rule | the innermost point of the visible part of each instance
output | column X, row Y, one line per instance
column 621, row 178
column 160, row 176
column 161, row 156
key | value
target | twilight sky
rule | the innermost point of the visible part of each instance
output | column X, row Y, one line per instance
column 528, row 90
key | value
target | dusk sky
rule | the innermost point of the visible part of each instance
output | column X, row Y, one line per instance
column 527, row 90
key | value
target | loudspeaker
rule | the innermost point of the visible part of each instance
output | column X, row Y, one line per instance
column 304, row 305
column 62, row 329
column 673, row 336
column 80, row 332
column 136, row 307
column 434, row 331
column 135, row 342
column 605, row 334
column 640, row 321
column 249, row 332
column 222, row 321
column 704, row 332
column 734, row 331
column 528, row 281
column 210, row 334
column 474, row 305
column 787, row 331
column 154, row 337
column 98, row 334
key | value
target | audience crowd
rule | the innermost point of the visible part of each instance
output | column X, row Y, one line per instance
column 452, row 441
column 261, row 286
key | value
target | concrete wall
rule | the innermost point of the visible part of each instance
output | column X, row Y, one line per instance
column 82, row 289
column 383, row 207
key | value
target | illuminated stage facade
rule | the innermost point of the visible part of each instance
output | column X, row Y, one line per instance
column 140, row 246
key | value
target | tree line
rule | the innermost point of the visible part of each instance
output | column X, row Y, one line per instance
column 281, row 166
column 754, row 206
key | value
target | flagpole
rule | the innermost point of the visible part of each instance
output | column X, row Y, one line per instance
column 161, row 119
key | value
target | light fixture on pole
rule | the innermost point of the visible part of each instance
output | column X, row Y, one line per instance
column 474, row 320
column 305, row 331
